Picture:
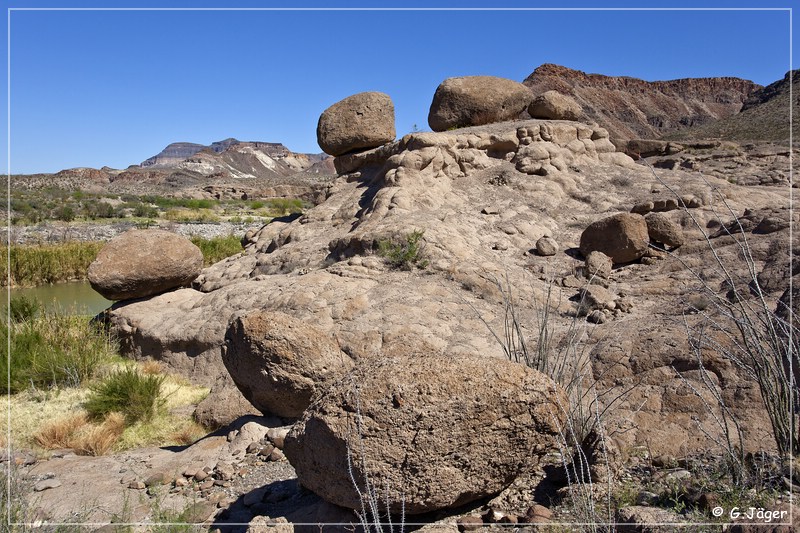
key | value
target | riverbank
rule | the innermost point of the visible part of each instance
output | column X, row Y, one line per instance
column 59, row 232
column 31, row 265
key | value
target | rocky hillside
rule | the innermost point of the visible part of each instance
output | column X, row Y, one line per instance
column 631, row 108
column 764, row 116
column 225, row 168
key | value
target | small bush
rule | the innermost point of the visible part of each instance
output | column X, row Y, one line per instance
column 22, row 308
column 52, row 350
column 217, row 248
column 51, row 263
column 405, row 255
column 134, row 395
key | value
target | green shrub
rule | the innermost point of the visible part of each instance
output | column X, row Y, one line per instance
column 217, row 248
column 284, row 206
column 51, row 349
column 50, row 263
column 403, row 255
column 22, row 308
column 136, row 396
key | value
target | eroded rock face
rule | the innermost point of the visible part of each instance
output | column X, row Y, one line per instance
column 142, row 263
column 622, row 237
column 361, row 121
column 278, row 361
column 476, row 100
column 437, row 431
column 555, row 106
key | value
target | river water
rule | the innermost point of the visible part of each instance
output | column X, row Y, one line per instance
column 75, row 297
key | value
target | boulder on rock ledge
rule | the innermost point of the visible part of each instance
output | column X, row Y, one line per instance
column 476, row 100
column 359, row 122
column 141, row 263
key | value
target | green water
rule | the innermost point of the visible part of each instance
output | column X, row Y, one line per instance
column 76, row 297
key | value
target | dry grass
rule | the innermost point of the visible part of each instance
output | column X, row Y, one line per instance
column 99, row 440
column 61, row 432
column 151, row 366
column 78, row 433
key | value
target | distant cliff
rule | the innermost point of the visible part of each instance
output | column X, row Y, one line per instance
column 630, row 108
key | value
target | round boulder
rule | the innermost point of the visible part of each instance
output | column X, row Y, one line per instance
column 662, row 229
column 427, row 432
column 476, row 100
column 552, row 105
column 622, row 237
column 359, row 122
column 546, row 246
column 278, row 361
column 141, row 263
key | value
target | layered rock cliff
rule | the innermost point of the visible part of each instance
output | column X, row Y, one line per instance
column 630, row 108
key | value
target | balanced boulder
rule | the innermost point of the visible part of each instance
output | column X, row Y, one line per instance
column 622, row 237
column 278, row 361
column 476, row 100
column 359, row 122
column 426, row 432
column 552, row 105
column 141, row 263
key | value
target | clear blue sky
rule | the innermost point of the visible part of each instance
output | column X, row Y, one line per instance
column 94, row 88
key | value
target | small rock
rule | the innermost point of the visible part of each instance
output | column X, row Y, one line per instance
column 663, row 230
column 217, row 497
column 598, row 264
column 596, row 317
column 266, row 450
column 276, row 455
column 159, row 478
column 126, row 479
column 469, row 523
column 46, row 484
column 490, row 211
column 646, row 498
column 546, row 246
column 552, row 105
column 539, row 510
column 253, row 447
column 206, row 485
column 277, row 436
column 138, row 485
column 200, row 475
column 199, row 512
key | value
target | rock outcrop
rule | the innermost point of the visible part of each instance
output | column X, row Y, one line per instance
column 142, row 263
column 360, row 121
column 622, row 237
column 277, row 361
column 631, row 108
column 323, row 268
column 476, row 100
column 426, row 432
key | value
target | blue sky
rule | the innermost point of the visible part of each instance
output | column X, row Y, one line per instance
column 94, row 88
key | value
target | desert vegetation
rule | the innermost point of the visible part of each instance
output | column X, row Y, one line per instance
column 68, row 387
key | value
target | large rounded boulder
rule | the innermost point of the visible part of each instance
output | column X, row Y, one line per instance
column 426, row 432
column 552, row 105
column 141, row 263
column 359, row 122
column 622, row 237
column 476, row 100
column 278, row 361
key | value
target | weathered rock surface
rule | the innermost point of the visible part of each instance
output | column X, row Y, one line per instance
column 476, row 100
column 360, row 121
column 553, row 105
column 427, row 432
column 142, row 263
column 278, row 361
column 622, row 237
